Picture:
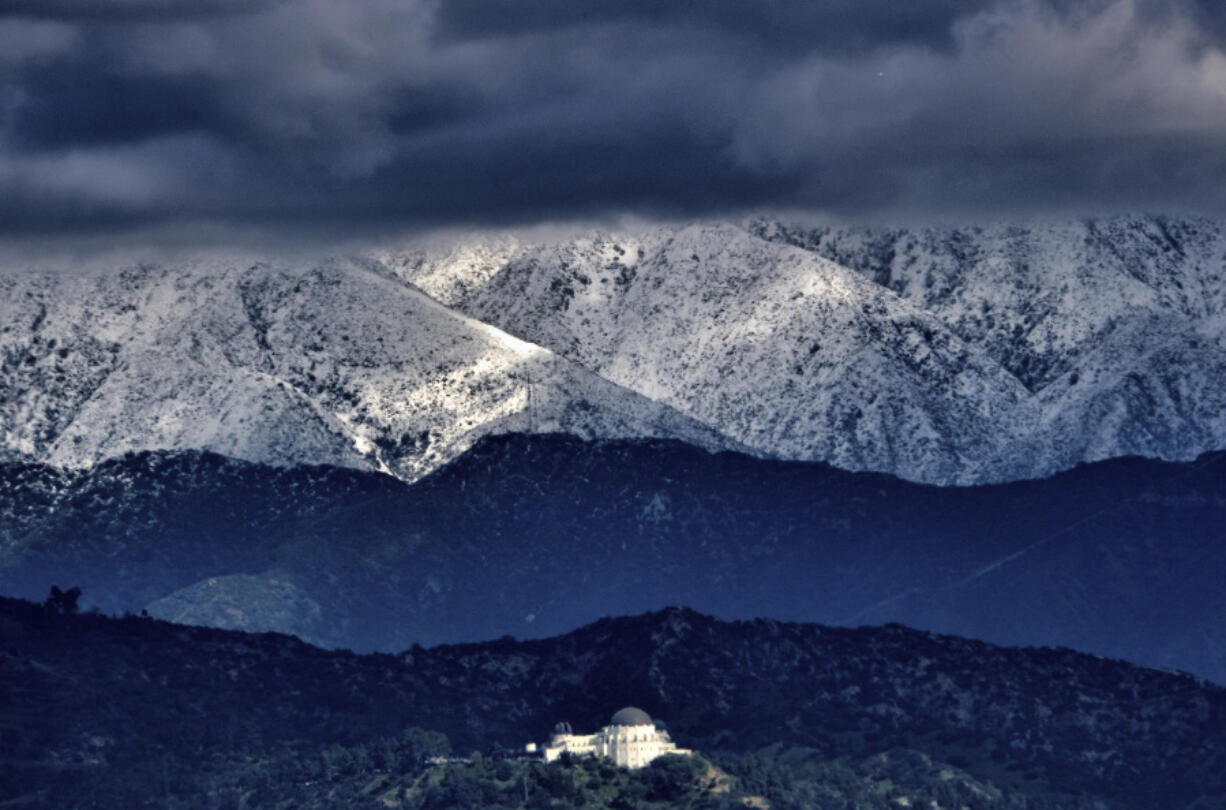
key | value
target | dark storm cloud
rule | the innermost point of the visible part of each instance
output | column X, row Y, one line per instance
column 128, row 10
column 790, row 24
column 408, row 112
column 76, row 106
column 1209, row 15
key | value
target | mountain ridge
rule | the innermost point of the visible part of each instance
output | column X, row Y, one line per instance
column 1115, row 320
column 1081, row 727
column 859, row 378
column 532, row 534
column 948, row 356
column 1116, row 346
column 330, row 364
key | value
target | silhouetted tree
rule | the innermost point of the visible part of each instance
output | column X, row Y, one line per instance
column 62, row 603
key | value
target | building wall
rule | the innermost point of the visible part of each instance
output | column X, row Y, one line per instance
column 577, row 744
column 629, row 746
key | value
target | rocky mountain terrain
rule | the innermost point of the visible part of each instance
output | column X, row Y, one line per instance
column 1116, row 325
column 127, row 710
column 959, row 355
column 532, row 535
column 328, row 363
column 947, row 356
column 788, row 353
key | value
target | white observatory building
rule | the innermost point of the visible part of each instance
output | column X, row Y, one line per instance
column 631, row 739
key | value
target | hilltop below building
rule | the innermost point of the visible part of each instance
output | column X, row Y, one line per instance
column 631, row 740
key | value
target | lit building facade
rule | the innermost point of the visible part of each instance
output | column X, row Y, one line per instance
column 631, row 740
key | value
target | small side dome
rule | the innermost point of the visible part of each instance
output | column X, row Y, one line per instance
column 631, row 716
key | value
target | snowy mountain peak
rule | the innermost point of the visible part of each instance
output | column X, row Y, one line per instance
column 956, row 355
column 326, row 364
column 940, row 355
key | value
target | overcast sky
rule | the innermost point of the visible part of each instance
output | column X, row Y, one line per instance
column 119, row 114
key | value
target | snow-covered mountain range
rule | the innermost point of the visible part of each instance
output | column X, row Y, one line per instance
column 1117, row 327
column 941, row 355
column 331, row 364
column 947, row 356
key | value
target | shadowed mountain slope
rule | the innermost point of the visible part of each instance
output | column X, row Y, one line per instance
column 100, row 696
column 532, row 535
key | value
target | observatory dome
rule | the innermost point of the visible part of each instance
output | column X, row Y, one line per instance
column 631, row 716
